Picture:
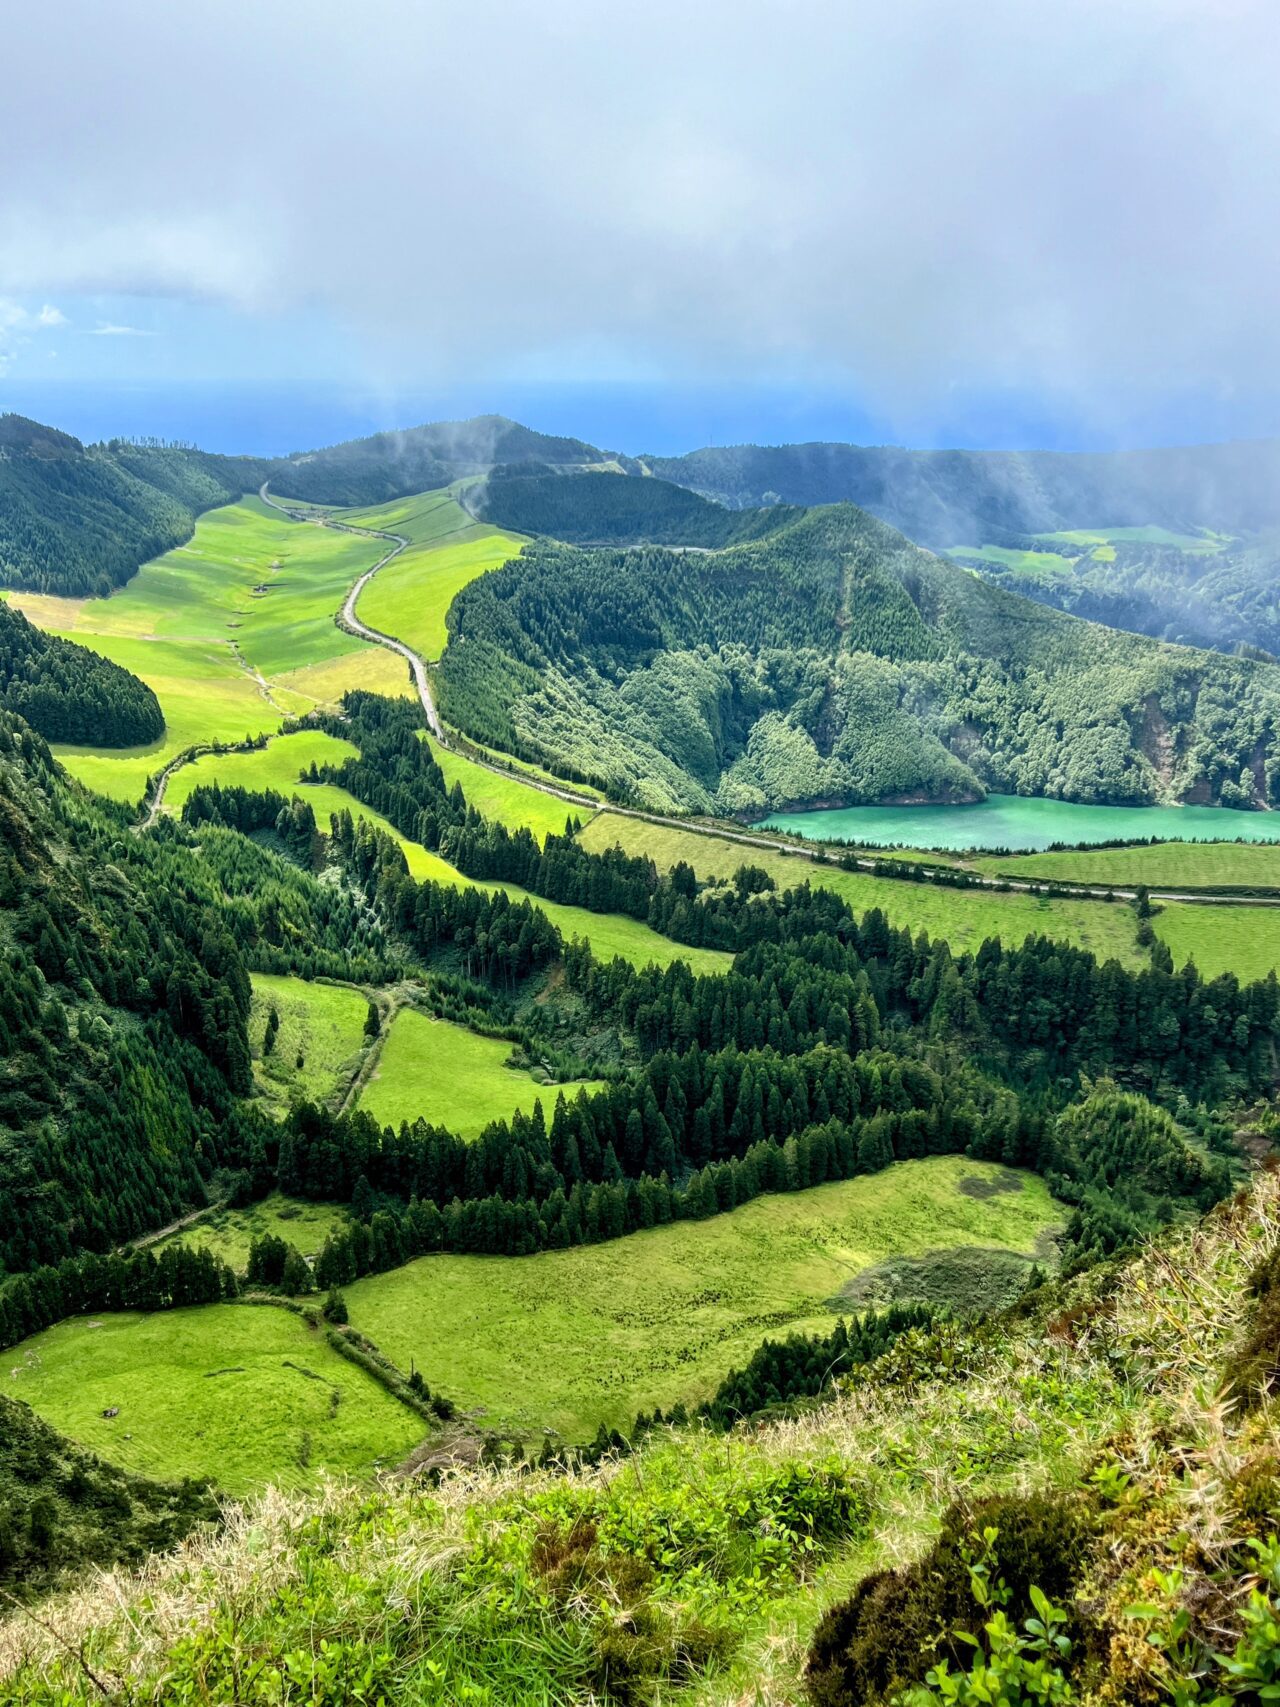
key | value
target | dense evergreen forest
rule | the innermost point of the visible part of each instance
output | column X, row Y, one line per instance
column 586, row 509
column 68, row 693
column 79, row 520
column 834, row 662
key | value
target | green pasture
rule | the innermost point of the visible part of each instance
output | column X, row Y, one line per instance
column 233, row 631
column 1243, row 940
column 410, row 597
column 1199, row 543
column 228, row 1233
column 1165, row 865
column 1042, row 562
column 321, row 1027
column 506, row 799
column 243, row 1394
column 451, row 1077
column 963, row 917
column 569, row 1339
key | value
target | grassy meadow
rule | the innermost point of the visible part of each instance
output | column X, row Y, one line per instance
column 1243, row 940
column 1166, row 865
column 963, row 917
column 506, row 798
column 410, row 597
column 568, row 1339
column 233, row 631
column 452, row 1077
column 228, row 1233
column 321, row 1026
column 244, row 1394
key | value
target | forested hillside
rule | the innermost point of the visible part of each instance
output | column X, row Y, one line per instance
column 948, row 497
column 390, row 465
column 587, row 509
column 68, row 693
column 836, row 662
column 79, row 520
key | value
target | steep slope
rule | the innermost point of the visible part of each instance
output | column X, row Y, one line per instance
column 835, row 662
column 79, row 520
column 1106, row 1457
column 62, row 1508
column 947, row 497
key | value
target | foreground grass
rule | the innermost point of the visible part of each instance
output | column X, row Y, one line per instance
column 453, row 1595
column 244, row 1394
column 317, row 1046
column 569, row 1339
column 963, row 917
column 451, row 1077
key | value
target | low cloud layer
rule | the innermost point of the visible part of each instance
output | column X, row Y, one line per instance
column 906, row 196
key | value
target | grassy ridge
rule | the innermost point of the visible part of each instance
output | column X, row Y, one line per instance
column 1197, row 865
column 240, row 1393
column 450, row 1077
column 228, row 1233
column 505, row 798
column 571, row 1338
column 963, row 917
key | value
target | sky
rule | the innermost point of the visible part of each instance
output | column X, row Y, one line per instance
column 891, row 220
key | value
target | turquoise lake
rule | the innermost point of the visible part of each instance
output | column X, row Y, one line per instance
column 1024, row 825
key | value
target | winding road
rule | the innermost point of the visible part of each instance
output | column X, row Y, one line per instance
column 347, row 619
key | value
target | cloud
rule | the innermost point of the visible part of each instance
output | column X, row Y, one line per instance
column 18, row 322
column 108, row 329
column 902, row 197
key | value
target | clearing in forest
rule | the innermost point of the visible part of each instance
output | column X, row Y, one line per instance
column 452, row 1077
column 570, row 1339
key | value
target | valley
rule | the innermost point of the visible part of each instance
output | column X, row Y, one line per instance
column 524, row 1088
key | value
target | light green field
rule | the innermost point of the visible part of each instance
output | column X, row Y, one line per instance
column 410, row 597
column 1148, row 535
column 506, row 798
column 244, row 1394
column 569, row 1339
column 1043, row 562
column 1243, row 940
column 451, row 1077
column 1195, row 865
column 228, row 1233
column 233, row 630
column 321, row 1024
column 526, row 769
column 962, row 917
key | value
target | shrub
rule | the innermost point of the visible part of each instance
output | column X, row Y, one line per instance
column 896, row 1624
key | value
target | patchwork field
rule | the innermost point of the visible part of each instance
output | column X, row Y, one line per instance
column 410, row 597
column 451, row 1077
column 963, row 917
column 317, row 1046
column 241, row 1393
column 233, row 630
column 228, row 1233
column 569, row 1339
